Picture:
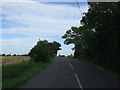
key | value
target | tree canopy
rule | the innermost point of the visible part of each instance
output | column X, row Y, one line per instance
column 44, row 50
column 98, row 37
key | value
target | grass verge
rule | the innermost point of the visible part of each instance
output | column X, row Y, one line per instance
column 15, row 75
column 114, row 75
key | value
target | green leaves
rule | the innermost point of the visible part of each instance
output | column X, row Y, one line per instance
column 80, row 37
column 98, row 38
column 44, row 50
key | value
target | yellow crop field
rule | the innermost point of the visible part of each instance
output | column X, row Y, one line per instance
column 13, row 59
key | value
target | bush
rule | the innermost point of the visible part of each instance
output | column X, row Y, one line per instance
column 44, row 50
column 61, row 56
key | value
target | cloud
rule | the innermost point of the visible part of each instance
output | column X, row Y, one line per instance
column 37, row 20
column 41, row 17
column 43, row 0
column 16, row 0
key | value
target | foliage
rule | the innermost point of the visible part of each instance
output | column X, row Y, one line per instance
column 3, row 55
column 98, row 37
column 44, row 50
column 61, row 56
column 15, row 75
column 70, row 55
column 81, row 38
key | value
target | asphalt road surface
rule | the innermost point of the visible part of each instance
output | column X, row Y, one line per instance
column 71, row 73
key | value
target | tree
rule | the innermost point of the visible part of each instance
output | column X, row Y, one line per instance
column 44, row 50
column 72, row 36
column 9, row 55
column 81, row 38
column 104, row 19
column 14, row 55
column 98, row 37
column 3, row 55
column 61, row 56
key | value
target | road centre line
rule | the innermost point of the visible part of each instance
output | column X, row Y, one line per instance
column 78, row 81
column 71, row 65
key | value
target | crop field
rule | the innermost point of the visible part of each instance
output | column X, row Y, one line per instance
column 15, row 74
column 14, row 59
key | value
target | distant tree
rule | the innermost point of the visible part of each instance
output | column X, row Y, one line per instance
column 61, row 55
column 3, row 55
column 14, row 55
column 9, row 55
column 24, row 55
column 70, row 55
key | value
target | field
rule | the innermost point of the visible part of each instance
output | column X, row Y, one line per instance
column 14, row 59
column 15, row 75
column 16, row 70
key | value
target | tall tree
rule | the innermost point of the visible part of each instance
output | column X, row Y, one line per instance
column 104, row 19
column 98, row 37
column 81, row 38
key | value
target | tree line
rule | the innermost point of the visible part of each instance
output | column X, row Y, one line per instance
column 13, row 55
column 97, row 39
column 43, row 51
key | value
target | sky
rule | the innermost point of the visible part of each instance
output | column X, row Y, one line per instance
column 24, row 23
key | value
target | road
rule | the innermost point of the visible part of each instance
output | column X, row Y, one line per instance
column 71, row 73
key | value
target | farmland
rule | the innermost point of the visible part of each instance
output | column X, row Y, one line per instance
column 16, row 70
column 14, row 59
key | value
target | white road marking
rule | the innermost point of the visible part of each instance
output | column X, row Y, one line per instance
column 71, row 65
column 78, row 81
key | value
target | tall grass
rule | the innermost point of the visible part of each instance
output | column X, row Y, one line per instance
column 15, row 75
column 107, row 71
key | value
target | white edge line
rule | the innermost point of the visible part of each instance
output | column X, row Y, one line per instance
column 78, row 81
column 71, row 65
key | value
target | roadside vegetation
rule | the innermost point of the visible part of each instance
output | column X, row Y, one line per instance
column 97, row 40
column 61, row 56
column 44, row 50
column 14, row 75
column 107, row 71
column 41, row 55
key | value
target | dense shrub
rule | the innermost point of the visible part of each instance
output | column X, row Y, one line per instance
column 44, row 50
